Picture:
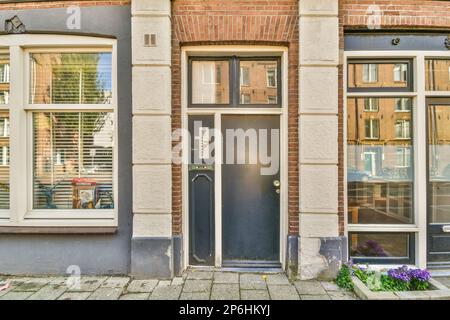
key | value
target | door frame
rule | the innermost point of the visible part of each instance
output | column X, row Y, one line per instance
column 282, row 111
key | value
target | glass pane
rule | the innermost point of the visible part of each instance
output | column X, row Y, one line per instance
column 379, row 163
column 4, row 78
column 379, row 245
column 210, row 82
column 259, row 82
column 70, row 78
column 439, row 163
column 4, row 160
column 377, row 75
column 73, row 160
column 437, row 74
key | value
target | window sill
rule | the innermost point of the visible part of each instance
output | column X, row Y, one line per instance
column 57, row 230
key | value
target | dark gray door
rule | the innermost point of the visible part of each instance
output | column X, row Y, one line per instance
column 201, row 191
column 439, row 182
column 250, row 196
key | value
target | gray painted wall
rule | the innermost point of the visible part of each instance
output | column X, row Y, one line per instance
column 95, row 254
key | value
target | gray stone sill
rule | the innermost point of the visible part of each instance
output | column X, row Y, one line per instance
column 437, row 292
column 58, row 230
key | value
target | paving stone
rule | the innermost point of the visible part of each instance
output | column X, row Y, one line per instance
column 135, row 296
column 277, row 279
column 283, row 292
column 49, row 292
column 116, row 282
column 106, row 294
column 331, row 286
column 5, row 291
column 226, row 277
column 142, row 285
column 166, row 293
column 194, row 296
column 16, row 295
column 315, row 297
column 342, row 295
column 33, row 284
column 59, row 281
column 87, row 284
column 255, row 295
column 225, row 292
column 252, row 281
column 309, row 287
column 164, row 283
column 199, row 275
column 75, row 296
column 178, row 281
column 197, row 286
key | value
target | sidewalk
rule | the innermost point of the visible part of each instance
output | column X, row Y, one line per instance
column 201, row 285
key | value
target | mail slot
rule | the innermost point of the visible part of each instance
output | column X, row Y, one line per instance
column 445, row 228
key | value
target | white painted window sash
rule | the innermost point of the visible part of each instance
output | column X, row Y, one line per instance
column 21, row 213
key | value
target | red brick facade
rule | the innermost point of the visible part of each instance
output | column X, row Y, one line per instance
column 238, row 22
column 404, row 14
column 60, row 4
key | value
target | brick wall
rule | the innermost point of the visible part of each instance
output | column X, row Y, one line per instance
column 429, row 14
column 58, row 4
column 238, row 22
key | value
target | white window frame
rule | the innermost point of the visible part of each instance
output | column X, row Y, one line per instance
column 404, row 129
column 21, row 212
column 371, row 129
column 372, row 75
column 275, row 75
column 373, row 104
column 419, row 95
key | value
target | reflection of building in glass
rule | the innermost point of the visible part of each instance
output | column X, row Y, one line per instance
column 377, row 75
column 379, row 157
column 437, row 74
column 4, row 78
column 439, row 162
column 210, row 82
column 258, row 82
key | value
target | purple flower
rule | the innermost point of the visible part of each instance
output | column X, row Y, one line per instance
column 420, row 275
column 401, row 274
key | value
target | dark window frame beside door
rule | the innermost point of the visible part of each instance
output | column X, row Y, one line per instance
column 240, row 85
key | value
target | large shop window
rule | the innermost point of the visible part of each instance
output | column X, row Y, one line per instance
column 234, row 82
column 63, row 130
column 380, row 160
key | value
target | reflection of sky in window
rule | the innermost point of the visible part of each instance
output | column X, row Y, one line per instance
column 104, row 71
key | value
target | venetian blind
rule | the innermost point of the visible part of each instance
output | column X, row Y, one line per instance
column 73, row 160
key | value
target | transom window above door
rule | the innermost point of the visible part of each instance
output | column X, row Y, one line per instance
column 234, row 82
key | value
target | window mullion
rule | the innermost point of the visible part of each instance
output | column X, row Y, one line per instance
column 421, row 163
column 18, row 137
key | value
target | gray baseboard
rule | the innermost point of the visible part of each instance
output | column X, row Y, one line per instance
column 152, row 258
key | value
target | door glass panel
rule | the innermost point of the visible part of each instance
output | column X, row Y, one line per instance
column 378, row 75
column 259, row 82
column 439, row 163
column 210, row 82
column 380, row 161
column 437, row 74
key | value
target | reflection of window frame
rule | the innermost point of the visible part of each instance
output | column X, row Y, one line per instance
column 4, row 76
column 405, row 129
column 404, row 155
column 404, row 103
column 245, row 76
column 371, row 104
column 370, row 72
column 271, row 78
column 244, row 97
column 235, row 81
column 373, row 134
column 400, row 72
column 21, row 214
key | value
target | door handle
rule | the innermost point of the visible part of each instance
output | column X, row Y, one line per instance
column 445, row 228
column 276, row 183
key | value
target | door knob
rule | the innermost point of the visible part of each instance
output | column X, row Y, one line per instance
column 276, row 183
